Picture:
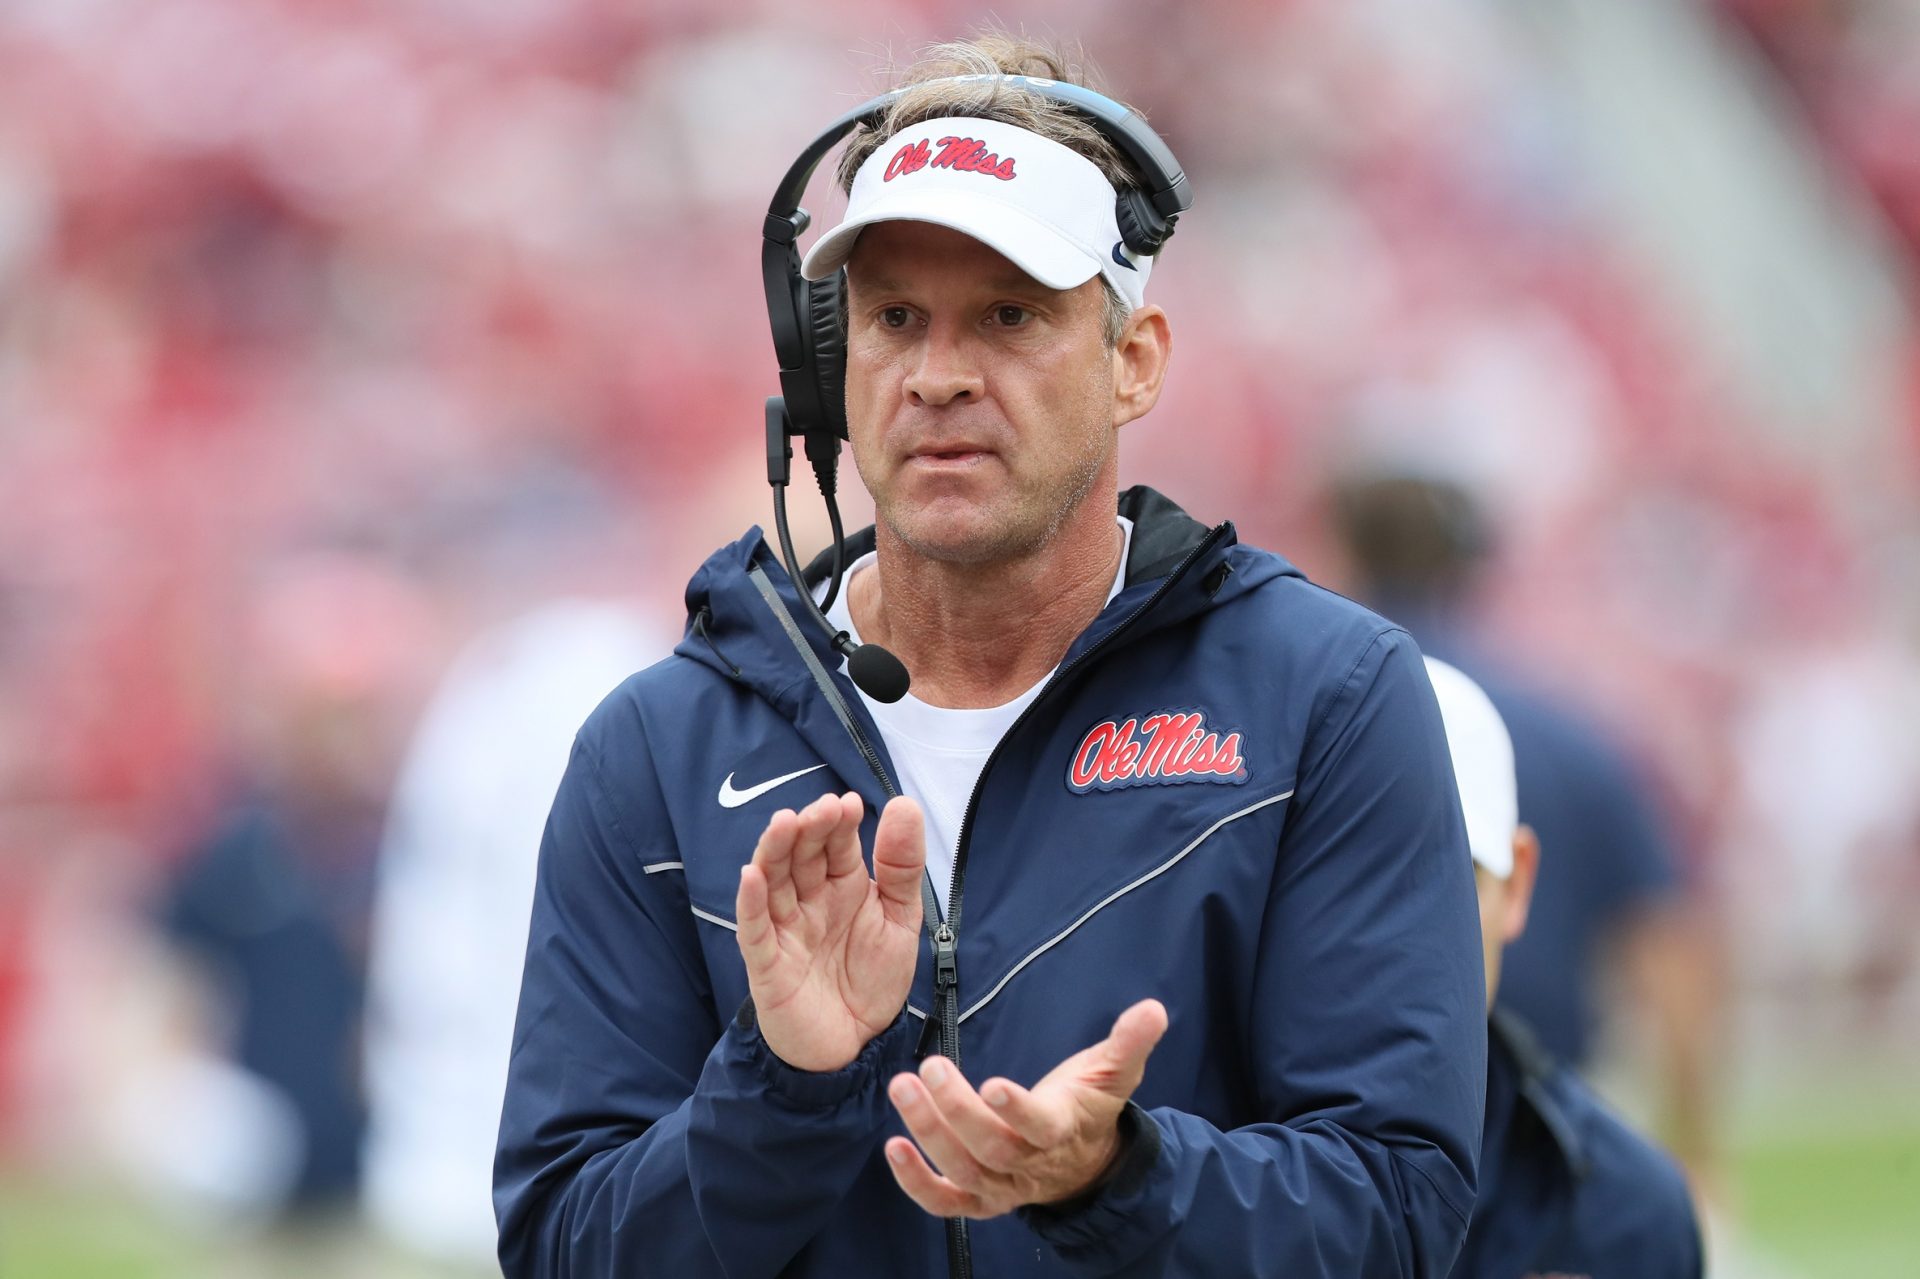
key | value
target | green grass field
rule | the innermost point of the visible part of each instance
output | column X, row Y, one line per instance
column 1845, row 1206
column 1821, row 1199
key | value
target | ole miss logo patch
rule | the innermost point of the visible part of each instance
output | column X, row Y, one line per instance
column 1155, row 750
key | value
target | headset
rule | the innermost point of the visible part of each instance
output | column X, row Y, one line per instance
column 809, row 335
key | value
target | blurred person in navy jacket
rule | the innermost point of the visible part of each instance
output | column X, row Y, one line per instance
column 1611, row 896
column 1566, row 1188
column 273, row 903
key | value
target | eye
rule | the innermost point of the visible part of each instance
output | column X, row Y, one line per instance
column 1008, row 316
column 895, row 317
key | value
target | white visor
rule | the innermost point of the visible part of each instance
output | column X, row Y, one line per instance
column 1482, row 767
column 1043, row 206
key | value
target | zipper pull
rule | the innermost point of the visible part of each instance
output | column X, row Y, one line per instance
column 946, row 975
column 946, row 968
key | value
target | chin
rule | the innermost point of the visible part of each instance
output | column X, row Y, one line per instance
column 957, row 533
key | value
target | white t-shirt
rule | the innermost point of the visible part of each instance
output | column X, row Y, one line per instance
column 937, row 751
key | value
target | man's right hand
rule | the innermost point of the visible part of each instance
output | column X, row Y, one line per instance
column 830, row 950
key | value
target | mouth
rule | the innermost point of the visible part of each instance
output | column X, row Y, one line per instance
column 949, row 455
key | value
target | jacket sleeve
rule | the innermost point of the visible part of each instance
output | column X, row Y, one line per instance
column 1675, row 1246
column 641, row 1135
column 1632, row 1209
column 1368, row 1032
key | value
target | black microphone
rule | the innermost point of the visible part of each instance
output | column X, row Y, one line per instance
column 874, row 671
column 880, row 674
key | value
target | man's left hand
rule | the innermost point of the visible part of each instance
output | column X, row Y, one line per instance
column 1006, row 1146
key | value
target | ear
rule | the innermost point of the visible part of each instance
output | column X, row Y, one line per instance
column 1526, row 873
column 1140, row 364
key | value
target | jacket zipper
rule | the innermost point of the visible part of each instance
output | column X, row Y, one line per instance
column 945, row 933
column 946, row 982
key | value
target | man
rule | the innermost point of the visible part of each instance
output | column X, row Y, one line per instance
column 1199, row 992
column 1566, row 1189
column 1612, row 896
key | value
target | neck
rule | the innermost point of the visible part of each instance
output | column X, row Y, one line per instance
column 977, row 635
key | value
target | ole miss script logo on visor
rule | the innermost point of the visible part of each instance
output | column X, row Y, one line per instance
column 1155, row 750
column 967, row 155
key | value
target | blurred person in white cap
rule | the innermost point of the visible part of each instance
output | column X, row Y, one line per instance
column 1566, row 1188
column 1125, row 924
column 1620, row 932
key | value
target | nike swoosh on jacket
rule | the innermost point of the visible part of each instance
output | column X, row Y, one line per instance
column 731, row 798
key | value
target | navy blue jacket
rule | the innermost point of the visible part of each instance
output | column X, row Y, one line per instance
column 1566, row 1189
column 1308, row 918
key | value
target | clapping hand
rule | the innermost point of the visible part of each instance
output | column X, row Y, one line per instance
column 1006, row 1146
column 829, row 949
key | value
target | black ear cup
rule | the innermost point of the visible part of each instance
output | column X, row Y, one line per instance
column 827, row 342
column 1143, row 227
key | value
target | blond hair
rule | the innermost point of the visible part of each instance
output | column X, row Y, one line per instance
column 991, row 55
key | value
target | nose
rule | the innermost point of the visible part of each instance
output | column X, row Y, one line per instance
column 947, row 367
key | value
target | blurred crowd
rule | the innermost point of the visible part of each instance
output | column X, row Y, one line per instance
column 336, row 339
column 1850, row 63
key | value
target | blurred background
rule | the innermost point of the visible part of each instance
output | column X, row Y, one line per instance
column 373, row 376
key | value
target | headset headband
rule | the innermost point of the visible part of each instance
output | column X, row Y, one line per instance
column 1165, row 184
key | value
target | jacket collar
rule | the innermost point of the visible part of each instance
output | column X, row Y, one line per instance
column 1163, row 534
column 1538, row 1074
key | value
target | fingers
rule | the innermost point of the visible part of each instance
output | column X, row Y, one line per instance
column 1113, row 1067
column 942, row 1092
column 1121, row 1061
column 1136, row 1033
column 960, row 1186
column 930, row 1128
column 981, row 1154
column 843, row 845
column 899, row 860
column 818, row 821
column 924, row 1186
column 773, row 857
column 1028, row 1117
column 755, row 931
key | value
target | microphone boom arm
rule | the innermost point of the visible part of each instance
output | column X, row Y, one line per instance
column 876, row 672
